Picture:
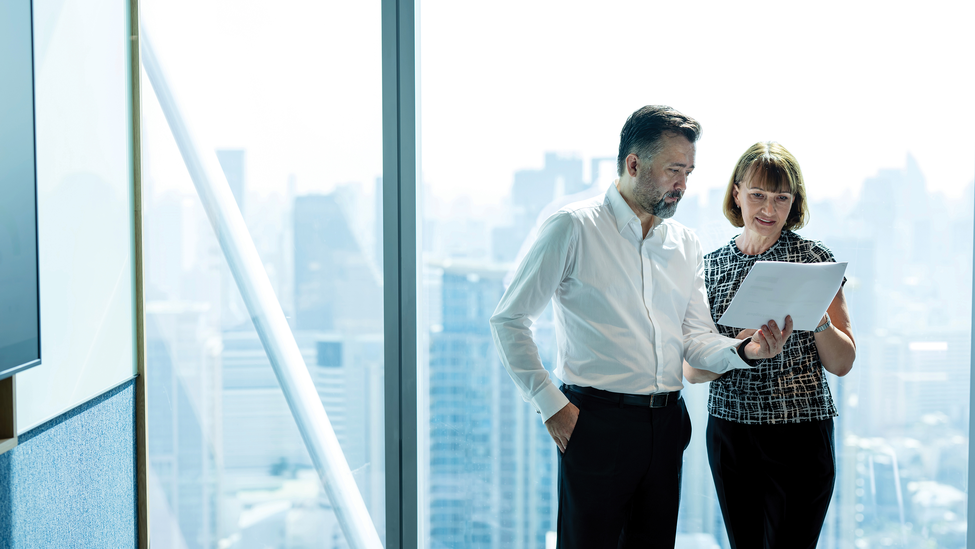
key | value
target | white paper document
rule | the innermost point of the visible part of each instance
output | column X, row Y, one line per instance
column 774, row 289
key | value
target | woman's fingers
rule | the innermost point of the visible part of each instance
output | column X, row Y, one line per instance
column 770, row 339
column 762, row 342
column 779, row 337
column 788, row 328
column 745, row 334
column 775, row 335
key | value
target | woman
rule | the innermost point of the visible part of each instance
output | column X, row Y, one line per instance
column 770, row 429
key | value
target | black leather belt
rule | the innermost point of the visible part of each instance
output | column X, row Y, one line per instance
column 655, row 400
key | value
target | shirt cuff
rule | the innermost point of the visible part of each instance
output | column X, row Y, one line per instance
column 549, row 401
column 726, row 360
column 738, row 362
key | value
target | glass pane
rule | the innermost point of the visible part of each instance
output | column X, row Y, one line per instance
column 521, row 115
column 84, row 205
column 287, row 95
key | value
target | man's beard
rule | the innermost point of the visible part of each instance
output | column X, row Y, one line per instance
column 664, row 210
column 657, row 205
column 654, row 201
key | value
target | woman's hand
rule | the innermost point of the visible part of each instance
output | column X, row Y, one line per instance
column 745, row 334
column 769, row 340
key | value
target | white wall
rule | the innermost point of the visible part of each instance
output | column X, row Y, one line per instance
column 85, row 201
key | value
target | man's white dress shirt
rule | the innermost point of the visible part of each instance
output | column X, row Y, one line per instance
column 628, row 309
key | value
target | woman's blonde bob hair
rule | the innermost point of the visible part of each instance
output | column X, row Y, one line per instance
column 771, row 167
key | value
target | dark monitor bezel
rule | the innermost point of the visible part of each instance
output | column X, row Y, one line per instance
column 17, row 368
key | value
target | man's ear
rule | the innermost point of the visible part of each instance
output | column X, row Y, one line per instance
column 632, row 161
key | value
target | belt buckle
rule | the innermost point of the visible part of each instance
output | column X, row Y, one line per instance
column 659, row 400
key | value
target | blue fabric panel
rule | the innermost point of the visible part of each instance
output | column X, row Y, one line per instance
column 71, row 482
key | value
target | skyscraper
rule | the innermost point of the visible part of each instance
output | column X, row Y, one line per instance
column 532, row 190
column 337, row 287
column 492, row 463
column 184, row 451
column 339, row 333
column 233, row 312
column 183, row 375
column 232, row 164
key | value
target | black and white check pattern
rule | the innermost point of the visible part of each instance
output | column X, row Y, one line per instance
column 788, row 388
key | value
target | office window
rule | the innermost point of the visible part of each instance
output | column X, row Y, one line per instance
column 287, row 96
column 521, row 109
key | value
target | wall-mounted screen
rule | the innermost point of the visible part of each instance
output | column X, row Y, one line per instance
column 19, row 299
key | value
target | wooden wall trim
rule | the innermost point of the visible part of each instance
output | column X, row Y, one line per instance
column 141, row 419
column 8, row 414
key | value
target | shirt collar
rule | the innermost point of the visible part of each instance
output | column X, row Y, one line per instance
column 623, row 212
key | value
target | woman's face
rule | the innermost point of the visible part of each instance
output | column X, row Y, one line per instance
column 764, row 212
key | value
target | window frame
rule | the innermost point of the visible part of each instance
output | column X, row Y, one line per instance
column 400, row 169
column 400, row 54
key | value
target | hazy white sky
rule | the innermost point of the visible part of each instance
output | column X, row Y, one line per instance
column 848, row 87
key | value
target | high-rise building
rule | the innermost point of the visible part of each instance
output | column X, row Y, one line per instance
column 184, row 451
column 492, row 464
column 183, row 375
column 337, row 287
column 339, row 333
column 164, row 221
column 699, row 522
column 531, row 191
column 232, row 164
column 233, row 312
column 347, row 373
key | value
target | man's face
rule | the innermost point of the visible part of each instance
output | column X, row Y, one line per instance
column 660, row 186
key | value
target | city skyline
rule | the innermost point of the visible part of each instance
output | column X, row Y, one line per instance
column 920, row 367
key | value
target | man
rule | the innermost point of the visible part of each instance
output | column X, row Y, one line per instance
column 630, row 306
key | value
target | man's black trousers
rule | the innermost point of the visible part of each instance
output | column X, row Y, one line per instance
column 619, row 478
column 774, row 482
